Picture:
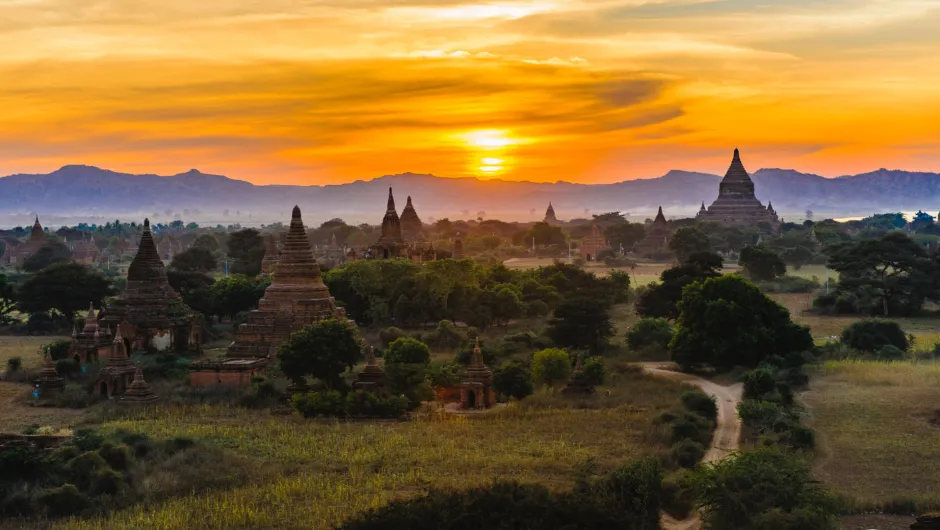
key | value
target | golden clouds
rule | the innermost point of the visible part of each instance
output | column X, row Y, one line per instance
column 335, row 90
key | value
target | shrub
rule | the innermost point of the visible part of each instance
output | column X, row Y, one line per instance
column 872, row 335
column 687, row 453
column 512, row 379
column 445, row 374
column 689, row 426
column 677, row 494
column 117, row 456
column 760, row 415
column 14, row 364
column 406, row 369
column 799, row 438
column 595, row 371
column 650, row 333
column 107, row 482
column 758, row 383
column 446, row 336
column 67, row 367
column 83, row 468
column 550, row 367
column 59, row 349
column 390, row 334
column 314, row 404
column 64, row 500
column 700, row 403
column 889, row 352
column 636, row 490
column 360, row 403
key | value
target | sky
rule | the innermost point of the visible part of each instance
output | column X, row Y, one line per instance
column 332, row 91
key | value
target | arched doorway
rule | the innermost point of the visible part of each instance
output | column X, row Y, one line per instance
column 471, row 399
column 77, row 359
column 103, row 389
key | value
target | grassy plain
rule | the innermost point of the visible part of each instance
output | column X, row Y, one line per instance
column 330, row 470
column 879, row 430
column 26, row 348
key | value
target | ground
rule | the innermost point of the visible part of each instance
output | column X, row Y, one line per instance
column 878, row 426
column 26, row 348
column 330, row 470
column 15, row 415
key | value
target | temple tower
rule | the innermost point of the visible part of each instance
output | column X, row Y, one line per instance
column 476, row 388
column 390, row 244
column 736, row 203
column 656, row 241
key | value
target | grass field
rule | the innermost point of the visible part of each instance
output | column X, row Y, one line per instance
column 879, row 430
column 331, row 470
column 26, row 348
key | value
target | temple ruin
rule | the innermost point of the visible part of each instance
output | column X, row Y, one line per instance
column 476, row 387
column 656, row 242
column 736, row 203
column 17, row 254
column 93, row 342
column 593, row 244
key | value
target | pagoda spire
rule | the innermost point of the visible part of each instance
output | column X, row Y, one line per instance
column 391, row 201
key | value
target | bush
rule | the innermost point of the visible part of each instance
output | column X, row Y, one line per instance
column 595, row 371
column 512, row 379
column 789, row 284
column 117, row 456
column 872, row 335
column 356, row 404
column 67, row 367
column 689, row 426
column 636, row 490
column 758, row 383
column 799, row 438
column 677, row 494
column 390, row 334
column 64, row 500
column 14, row 364
column 83, row 468
column 761, row 416
column 687, row 453
column 107, row 482
column 314, row 404
column 446, row 336
column 889, row 352
column 59, row 349
column 406, row 369
column 650, row 333
column 700, row 403
column 550, row 367
column 445, row 374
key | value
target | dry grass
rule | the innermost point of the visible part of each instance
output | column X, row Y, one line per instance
column 338, row 469
column 26, row 348
column 879, row 430
column 16, row 416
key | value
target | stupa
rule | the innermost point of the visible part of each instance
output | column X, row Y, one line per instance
column 736, row 203
column 49, row 379
column 151, row 314
column 390, row 244
column 656, row 241
column 412, row 231
column 139, row 392
column 114, row 379
column 593, row 244
column 550, row 216
column 458, row 247
column 372, row 377
column 578, row 383
column 476, row 388
column 93, row 342
column 269, row 261
column 17, row 254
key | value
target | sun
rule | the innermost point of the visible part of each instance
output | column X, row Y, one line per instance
column 491, row 139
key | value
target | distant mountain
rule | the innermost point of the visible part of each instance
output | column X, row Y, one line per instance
column 94, row 193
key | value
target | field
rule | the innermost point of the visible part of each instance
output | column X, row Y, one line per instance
column 879, row 431
column 327, row 470
column 26, row 348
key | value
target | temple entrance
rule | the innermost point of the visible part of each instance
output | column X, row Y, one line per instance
column 588, row 257
column 77, row 359
column 471, row 399
column 103, row 389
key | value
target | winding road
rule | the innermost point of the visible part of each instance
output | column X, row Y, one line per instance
column 728, row 426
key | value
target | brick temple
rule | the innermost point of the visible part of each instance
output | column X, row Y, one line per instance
column 736, row 203
column 93, row 342
column 656, row 242
column 17, row 254
column 593, row 244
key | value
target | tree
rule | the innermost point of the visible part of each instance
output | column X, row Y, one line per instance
column 235, row 294
column 727, row 322
column 687, row 241
column 661, row 300
column 760, row 490
column 246, row 249
column 207, row 241
column 550, row 367
column 63, row 287
column 48, row 254
column 194, row 259
column 872, row 335
column 406, row 367
column 507, row 305
column 761, row 263
column 194, row 288
column 625, row 235
column 323, row 350
column 7, row 301
column 649, row 333
column 581, row 323
column 512, row 378
column 797, row 256
column 545, row 234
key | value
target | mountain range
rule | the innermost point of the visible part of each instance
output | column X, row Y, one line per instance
column 79, row 192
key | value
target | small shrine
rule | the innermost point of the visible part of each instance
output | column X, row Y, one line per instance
column 18, row 254
column 372, row 377
column 476, row 388
column 592, row 245
column 93, row 342
column 578, row 384
column 458, row 247
column 139, row 392
column 115, row 378
column 656, row 241
column 49, row 379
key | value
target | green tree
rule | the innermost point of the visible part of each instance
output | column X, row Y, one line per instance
column 407, row 362
column 581, row 323
column 760, row 490
column 507, row 305
column 323, row 350
column 625, row 235
column 195, row 259
column 688, row 241
column 727, row 321
column 7, row 301
column 194, row 288
column 48, row 254
column 872, row 335
column 545, row 234
column 761, row 263
column 797, row 256
column 661, row 300
column 246, row 249
column 232, row 295
column 63, row 287
column 550, row 367
column 512, row 378
column 207, row 241
column 653, row 333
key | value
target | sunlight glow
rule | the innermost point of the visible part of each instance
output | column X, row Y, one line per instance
column 492, row 161
column 489, row 139
column 490, row 169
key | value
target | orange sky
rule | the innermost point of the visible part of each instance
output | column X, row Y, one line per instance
column 329, row 91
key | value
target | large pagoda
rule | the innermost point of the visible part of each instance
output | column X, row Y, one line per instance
column 391, row 244
column 297, row 297
column 736, row 203
column 150, row 313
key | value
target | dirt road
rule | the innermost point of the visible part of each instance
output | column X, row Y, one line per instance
column 727, row 431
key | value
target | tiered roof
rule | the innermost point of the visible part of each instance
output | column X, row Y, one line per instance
column 139, row 391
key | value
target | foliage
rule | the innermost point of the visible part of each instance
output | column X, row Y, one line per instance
column 246, row 249
column 446, row 336
column 48, row 254
column 195, row 289
column 195, row 259
column 206, row 241
column 595, row 371
column 749, row 490
column 236, row 294
column 323, row 350
column 688, row 241
column 512, row 379
column 582, row 323
column 700, row 403
column 687, row 453
column 728, row 322
column 550, row 367
column 14, row 364
column 797, row 256
column 390, row 334
column 407, row 362
column 873, row 335
column 7, row 301
column 761, row 263
column 649, row 333
column 789, row 284
column 355, row 404
column 662, row 300
column 63, row 287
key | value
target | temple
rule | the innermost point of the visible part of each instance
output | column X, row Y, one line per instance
column 593, row 244
column 49, row 379
column 17, row 254
column 550, row 216
column 391, row 244
column 458, row 248
column 476, row 388
column 296, row 298
column 150, row 314
column 93, row 342
column 85, row 251
column 656, row 242
column 372, row 377
column 139, row 393
column 736, row 203
column 578, row 384
column 114, row 379
column 269, row 261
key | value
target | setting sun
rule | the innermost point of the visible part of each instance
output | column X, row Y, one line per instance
column 489, row 139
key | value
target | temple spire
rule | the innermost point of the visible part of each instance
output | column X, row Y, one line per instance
column 391, row 201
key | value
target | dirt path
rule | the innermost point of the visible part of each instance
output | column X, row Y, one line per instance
column 727, row 431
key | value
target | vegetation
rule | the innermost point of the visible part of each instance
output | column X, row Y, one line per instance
column 873, row 335
column 65, row 288
column 246, row 250
column 323, row 350
column 650, row 333
column 512, row 378
column 550, row 367
column 761, row 263
column 406, row 367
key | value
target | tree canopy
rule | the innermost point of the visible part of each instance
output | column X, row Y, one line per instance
column 323, row 350
column 761, row 263
column 63, row 287
column 688, row 241
column 48, row 254
column 195, row 259
column 246, row 250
